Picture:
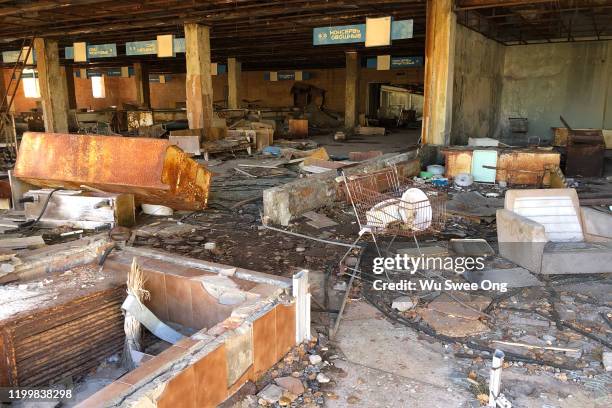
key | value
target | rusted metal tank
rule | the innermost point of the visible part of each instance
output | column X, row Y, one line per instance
column 155, row 171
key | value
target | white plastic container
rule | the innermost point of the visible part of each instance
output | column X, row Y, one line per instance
column 415, row 209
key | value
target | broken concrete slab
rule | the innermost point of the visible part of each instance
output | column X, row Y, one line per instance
column 452, row 326
column 471, row 247
column 513, row 277
column 286, row 202
column 450, row 318
column 473, row 204
column 577, row 257
column 271, row 394
column 447, row 305
column 319, row 220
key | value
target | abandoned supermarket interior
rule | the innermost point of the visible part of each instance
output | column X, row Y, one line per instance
column 306, row 203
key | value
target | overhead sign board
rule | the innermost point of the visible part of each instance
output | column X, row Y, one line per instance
column 287, row 76
column 94, row 51
column 356, row 33
column 141, row 47
column 406, row 62
column 397, row 62
column 353, row 33
column 10, row 57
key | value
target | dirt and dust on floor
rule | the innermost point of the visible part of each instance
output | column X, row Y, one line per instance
column 294, row 272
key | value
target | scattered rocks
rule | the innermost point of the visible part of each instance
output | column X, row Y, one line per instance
column 271, row 394
column 315, row 359
column 403, row 303
column 322, row 378
column 291, row 384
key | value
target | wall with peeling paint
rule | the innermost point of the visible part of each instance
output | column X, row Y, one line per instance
column 543, row 81
column 479, row 66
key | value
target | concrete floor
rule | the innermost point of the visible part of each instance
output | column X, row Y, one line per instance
column 396, row 140
column 383, row 365
column 388, row 366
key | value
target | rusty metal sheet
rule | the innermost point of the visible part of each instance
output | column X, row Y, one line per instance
column 584, row 160
column 155, row 171
column 458, row 161
column 525, row 167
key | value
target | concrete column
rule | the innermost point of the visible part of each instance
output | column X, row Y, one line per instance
column 68, row 74
column 141, row 77
column 439, row 70
column 234, row 72
column 52, row 86
column 2, row 86
column 351, row 92
column 198, row 79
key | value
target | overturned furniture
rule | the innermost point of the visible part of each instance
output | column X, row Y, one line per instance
column 546, row 231
column 153, row 170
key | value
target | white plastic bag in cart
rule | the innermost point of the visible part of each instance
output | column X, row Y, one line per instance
column 384, row 213
column 415, row 209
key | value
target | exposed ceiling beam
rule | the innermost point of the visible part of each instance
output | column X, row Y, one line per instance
column 482, row 4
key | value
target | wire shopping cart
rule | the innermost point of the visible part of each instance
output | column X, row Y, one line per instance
column 386, row 203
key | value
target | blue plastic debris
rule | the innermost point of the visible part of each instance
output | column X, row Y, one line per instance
column 272, row 150
column 439, row 182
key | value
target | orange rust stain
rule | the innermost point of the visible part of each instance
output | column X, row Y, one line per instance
column 151, row 169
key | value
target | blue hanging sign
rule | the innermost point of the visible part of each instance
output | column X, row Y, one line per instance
column 397, row 62
column 401, row 29
column 406, row 62
column 113, row 72
column 141, row 47
column 94, row 51
column 287, row 75
column 353, row 33
column 10, row 57
column 102, row 51
column 179, row 45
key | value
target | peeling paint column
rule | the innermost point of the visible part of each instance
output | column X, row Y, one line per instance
column 351, row 92
column 198, row 78
column 52, row 86
column 439, row 70
column 143, row 91
column 234, row 72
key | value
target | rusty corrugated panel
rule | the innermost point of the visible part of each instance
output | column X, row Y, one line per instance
column 44, row 345
column 525, row 167
column 152, row 169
